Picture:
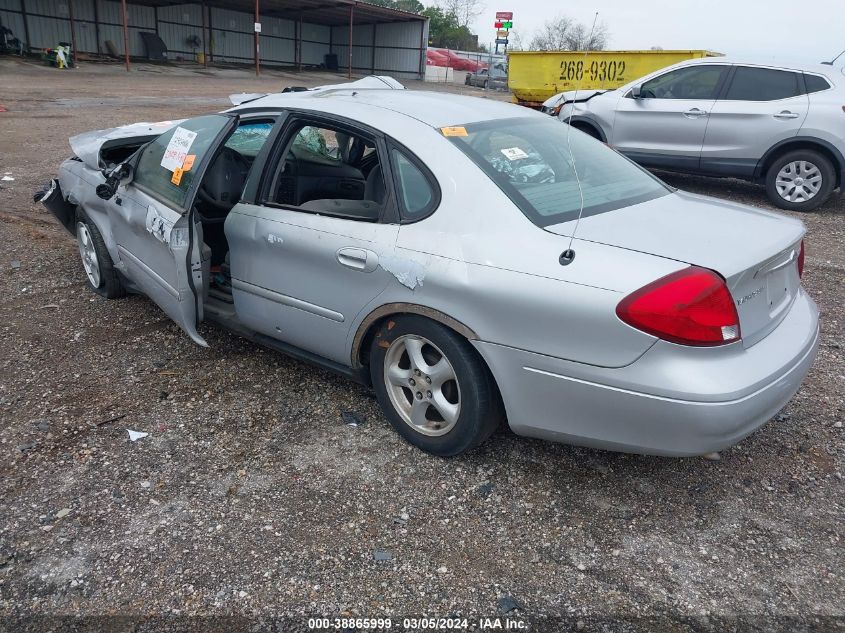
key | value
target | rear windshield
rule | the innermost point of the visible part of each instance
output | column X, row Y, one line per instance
column 529, row 159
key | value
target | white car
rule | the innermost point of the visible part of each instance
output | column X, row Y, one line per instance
column 779, row 125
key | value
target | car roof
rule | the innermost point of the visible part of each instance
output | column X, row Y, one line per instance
column 436, row 109
column 771, row 62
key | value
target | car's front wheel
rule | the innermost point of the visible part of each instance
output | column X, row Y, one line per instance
column 99, row 269
column 801, row 180
column 433, row 386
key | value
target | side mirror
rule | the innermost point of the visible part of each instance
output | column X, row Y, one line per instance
column 637, row 92
column 107, row 190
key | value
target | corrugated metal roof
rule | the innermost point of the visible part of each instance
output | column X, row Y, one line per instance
column 333, row 12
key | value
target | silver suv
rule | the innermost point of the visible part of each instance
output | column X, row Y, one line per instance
column 782, row 126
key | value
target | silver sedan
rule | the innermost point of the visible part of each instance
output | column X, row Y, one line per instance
column 472, row 260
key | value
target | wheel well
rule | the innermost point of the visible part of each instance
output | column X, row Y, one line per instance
column 797, row 145
column 370, row 325
column 588, row 128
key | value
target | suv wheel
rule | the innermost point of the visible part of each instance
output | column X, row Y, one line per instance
column 801, row 180
column 433, row 386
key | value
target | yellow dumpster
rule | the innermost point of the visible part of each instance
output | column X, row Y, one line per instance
column 534, row 76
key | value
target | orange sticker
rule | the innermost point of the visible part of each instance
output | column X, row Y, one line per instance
column 189, row 162
column 177, row 176
column 454, row 131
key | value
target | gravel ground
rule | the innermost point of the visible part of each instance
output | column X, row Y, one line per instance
column 250, row 497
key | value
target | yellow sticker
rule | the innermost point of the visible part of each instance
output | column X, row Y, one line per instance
column 454, row 131
column 177, row 176
column 189, row 162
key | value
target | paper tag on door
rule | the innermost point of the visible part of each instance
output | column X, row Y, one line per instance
column 177, row 149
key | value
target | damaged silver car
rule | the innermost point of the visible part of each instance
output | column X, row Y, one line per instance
column 471, row 260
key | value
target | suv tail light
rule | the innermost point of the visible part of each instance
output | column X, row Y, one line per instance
column 690, row 307
column 801, row 260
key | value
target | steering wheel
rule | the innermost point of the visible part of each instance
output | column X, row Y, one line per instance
column 223, row 183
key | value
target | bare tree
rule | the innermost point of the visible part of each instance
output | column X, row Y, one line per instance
column 564, row 34
column 464, row 10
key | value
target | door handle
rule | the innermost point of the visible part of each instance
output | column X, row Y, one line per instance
column 695, row 113
column 786, row 114
column 358, row 259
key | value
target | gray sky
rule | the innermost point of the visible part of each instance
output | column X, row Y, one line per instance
column 812, row 30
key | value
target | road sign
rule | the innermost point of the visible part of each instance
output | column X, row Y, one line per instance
column 503, row 25
column 504, row 16
column 502, row 40
column 502, row 33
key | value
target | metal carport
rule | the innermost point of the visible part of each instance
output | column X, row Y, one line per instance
column 367, row 38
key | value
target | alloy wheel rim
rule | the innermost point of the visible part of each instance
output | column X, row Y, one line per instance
column 798, row 181
column 422, row 385
column 88, row 254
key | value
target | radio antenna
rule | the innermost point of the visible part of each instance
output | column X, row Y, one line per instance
column 568, row 255
column 833, row 61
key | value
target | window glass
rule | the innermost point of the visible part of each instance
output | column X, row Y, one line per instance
column 332, row 172
column 249, row 138
column 318, row 141
column 693, row 82
column 529, row 160
column 815, row 83
column 415, row 190
column 167, row 168
column 763, row 84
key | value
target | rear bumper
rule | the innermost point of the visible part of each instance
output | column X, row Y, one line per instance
column 674, row 400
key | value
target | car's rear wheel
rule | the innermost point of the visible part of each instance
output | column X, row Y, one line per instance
column 433, row 386
column 801, row 180
column 99, row 269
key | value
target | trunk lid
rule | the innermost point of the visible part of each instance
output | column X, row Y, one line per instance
column 756, row 251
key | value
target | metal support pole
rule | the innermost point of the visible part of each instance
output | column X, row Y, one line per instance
column 97, row 26
column 373, row 51
column 257, row 63
column 351, row 20
column 299, row 44
column 125, row 34
column 210, row 37
column 25, row 25
column 72, row 33
column 204, row 40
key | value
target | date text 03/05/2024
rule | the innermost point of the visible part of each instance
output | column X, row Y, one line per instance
column 419, row 624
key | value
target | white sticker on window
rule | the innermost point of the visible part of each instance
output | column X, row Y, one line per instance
column 177, row 149
column 514, row 153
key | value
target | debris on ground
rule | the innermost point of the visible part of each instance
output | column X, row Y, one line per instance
column 350, row 418
column 506, row 604
column 115, row 418
column 134, row 436
column 15, row 264
column 382, row 555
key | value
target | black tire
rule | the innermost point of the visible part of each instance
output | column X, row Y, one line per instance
column 811, row 157
column 110, row 285
column 480, row 408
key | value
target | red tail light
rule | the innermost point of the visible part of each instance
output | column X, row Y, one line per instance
column 691, row 307
column 801, row 260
